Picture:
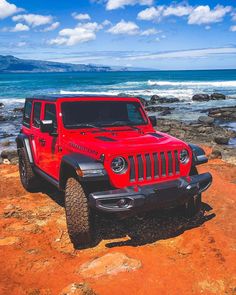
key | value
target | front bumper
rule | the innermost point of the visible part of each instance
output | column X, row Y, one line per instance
column 158, row 196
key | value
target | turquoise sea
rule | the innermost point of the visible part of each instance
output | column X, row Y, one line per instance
column 181, row 84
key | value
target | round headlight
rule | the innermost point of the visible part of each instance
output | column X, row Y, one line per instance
column 118, row 165
column 184, row 157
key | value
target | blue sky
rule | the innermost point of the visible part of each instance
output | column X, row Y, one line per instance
column 139, row 33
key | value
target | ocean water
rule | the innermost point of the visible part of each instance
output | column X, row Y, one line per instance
column 181, row 84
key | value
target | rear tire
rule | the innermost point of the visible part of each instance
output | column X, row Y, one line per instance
column 78, row 215
column 29, row 179
column 194, row 205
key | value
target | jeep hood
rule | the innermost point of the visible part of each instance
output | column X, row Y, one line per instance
column 118, row 143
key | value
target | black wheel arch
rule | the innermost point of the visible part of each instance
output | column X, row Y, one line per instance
column 76, row 165
column 199, row 156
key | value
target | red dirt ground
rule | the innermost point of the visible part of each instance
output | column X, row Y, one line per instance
column 180, row 257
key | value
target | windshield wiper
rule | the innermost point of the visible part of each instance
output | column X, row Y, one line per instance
column 122, row 123
column 87, row 125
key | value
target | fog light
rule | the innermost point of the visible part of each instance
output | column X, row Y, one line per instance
column 122, row 202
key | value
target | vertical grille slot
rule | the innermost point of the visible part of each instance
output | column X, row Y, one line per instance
column 170, row 163
column 163, row 164
column 132, row 168
column 140, row 167
column 148, row 166
column 176, row 162
column 156, row 165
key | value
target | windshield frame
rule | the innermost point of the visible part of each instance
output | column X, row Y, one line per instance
column 105, row 125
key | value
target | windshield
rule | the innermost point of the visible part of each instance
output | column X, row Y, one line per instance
column 88, row 114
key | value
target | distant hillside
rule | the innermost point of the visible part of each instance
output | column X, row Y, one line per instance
column 11, row 64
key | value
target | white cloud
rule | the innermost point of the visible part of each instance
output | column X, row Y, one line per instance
column 233, row 28
column 8, row 9
column 233, row 16
column 196, row 15
column 34, row 20
column 20, row 28
column 207, row 27
column 178, row 10
column 150, row 32
column 152, row 13
column 115, row 4
column 124, row 28
column 195, row 53
column 204, row 15
column 106, row 23
column 80, row 34
column 52, row 27
column 81, row 16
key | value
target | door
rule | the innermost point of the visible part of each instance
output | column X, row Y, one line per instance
column 50, row 143
column 35, row 134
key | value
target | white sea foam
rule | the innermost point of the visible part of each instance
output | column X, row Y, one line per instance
column 193, row 83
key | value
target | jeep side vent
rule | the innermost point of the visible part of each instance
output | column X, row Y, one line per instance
column 151, row 166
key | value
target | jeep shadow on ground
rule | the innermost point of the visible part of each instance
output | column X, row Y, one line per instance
column 139, row 230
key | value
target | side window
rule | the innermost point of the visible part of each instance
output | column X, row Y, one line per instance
column 50, row 113
column 134, row 114
column 27, row 113
column 36, row 115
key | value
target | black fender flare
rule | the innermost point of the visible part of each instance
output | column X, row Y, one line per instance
column 199, row 156
column 85, row 168
column 23, row 141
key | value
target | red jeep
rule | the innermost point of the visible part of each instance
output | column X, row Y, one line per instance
column 104, row 153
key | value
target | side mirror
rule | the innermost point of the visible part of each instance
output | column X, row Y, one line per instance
column 153, row 120
column 46, row 126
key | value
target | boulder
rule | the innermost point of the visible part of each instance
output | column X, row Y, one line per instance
column 9, row 154
column 109, row 264
column 206, row 120
column 225, row 113
column 222, row 139
column 215, row 154
column 18, row 110
column 201, row 97
column 217, row 96
column 165, row 113
column 167, row 99
column 1, row 105
column 143, row 101
column 2, row 118
column 154, row 99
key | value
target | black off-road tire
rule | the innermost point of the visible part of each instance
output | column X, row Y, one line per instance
column 29, row 179
column 194, row 205
column 78, row 215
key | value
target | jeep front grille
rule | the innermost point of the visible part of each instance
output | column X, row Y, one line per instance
column 151, row 166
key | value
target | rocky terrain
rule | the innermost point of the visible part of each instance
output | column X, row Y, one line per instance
column 157, row 253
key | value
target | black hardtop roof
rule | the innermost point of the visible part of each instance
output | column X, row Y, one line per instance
column 56, row 97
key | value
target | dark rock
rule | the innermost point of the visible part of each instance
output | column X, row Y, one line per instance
column 217, row 96
column 154, row 99
column 9, row 154
column 167, row 100
column 2, row 118
column 5, row 143
column 14, row 161
column 165, row 113
column 206, row 120
column 222, row 140
column 201, row 97
column 2, row 105
column 226, row 113
column 18, row 110
column 158, row 109
column 216, row 154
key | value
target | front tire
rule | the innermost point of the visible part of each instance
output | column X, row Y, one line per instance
column 29, row 179
column 194, row 205
column 78, row 215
